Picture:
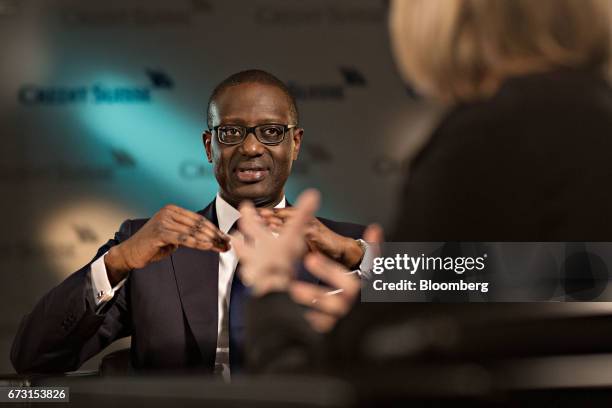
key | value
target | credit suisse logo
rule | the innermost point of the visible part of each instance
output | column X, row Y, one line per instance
column 95, row 93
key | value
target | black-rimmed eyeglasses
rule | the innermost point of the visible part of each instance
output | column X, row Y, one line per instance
column 268, row 134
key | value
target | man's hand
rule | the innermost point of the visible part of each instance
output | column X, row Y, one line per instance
column 326, row 305
column 168, row 229
column 319, row 238
column 268, row 260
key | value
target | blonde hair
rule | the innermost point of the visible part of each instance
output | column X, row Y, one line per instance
column 462, row 49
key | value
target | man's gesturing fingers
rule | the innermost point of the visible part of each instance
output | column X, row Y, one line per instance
column 178, row 234
column 191, row 229
column 373, row 234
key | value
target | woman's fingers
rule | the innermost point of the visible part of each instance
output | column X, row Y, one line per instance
column 334, row 274
column 317, row 298
column 321, row 322
column 306, row 206
column 250, row 223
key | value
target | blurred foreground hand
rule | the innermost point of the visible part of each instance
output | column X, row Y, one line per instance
column 267, row 259
column 328, row 304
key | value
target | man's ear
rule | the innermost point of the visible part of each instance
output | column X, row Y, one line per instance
column 297, row 141
column 207, row 139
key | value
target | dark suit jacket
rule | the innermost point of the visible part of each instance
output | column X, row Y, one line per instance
column 168, row 307
column 532, row 163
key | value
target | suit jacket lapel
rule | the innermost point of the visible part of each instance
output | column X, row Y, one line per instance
column 197, row 277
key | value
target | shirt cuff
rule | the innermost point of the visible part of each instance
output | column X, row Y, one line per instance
column 365, row 267
column 102, row 290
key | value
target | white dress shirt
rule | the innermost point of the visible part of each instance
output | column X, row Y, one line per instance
column 227, row 216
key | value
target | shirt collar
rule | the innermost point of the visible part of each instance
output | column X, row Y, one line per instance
column 228, row 215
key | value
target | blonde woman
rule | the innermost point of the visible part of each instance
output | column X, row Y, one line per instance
column 525, row 150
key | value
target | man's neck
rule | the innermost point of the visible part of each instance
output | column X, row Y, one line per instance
column 264, row 202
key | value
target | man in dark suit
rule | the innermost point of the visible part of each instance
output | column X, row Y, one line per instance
column 170, row 281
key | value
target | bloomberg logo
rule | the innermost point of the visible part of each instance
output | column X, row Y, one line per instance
column 97, row 93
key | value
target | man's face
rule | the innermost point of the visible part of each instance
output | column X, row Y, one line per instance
column 252, row 170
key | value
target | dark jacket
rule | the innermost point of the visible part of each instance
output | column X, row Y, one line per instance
column 168, row 307
column 532, row 163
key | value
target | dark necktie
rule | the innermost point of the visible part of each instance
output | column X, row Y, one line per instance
column 239, row 294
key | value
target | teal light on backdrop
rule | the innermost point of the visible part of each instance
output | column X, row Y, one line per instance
column 159, row 137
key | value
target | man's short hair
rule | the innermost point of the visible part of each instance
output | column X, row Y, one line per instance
column 248, row 77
